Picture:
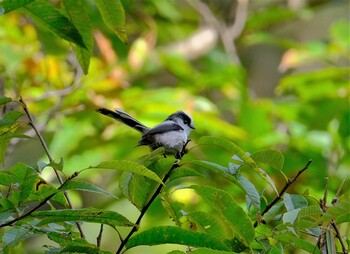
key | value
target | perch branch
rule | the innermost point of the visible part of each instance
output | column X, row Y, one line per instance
column 145, row 209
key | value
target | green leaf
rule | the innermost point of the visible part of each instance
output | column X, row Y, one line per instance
column 268, row 179
column 89, row 215
column 270, row 157
column 209, row 223
column 77, row 14
column 202, row 251
column 3, row 99
column 46, row 16
column 229, row 209
column 183, row 172
column 297, row 242
column 72, row 243
column 153, row 155
column 276, row 210
column 6, row 178
column 113, row 15
column 309, row 211
column 128, row 166
column 174, row 209
column 14, row 236
column 10, row 118
column 293, row 201
column 220, row 170
column 84, row 186
column 57, row 166
column 10, row 5
column 176, row 235
column 136, row 188
column 230, row 146
column 26, row 177
column 251, row 191
column 339, row 211
column 289, row 218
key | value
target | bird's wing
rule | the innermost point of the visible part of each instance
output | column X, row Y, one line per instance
column 161, row 128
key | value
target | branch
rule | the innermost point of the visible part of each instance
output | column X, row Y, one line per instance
column 99, row 237
column 286, row 186
column 46, row 149
column 338, row 235
column 145, row 208
column 38, row 205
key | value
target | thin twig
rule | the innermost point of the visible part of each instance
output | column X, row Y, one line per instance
column 285, row 187
column 37, row 206
column 338, row 235
column 99, row 237
column 145, row 208
column 46, row 149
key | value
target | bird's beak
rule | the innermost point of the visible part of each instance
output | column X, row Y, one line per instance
column 192, row 126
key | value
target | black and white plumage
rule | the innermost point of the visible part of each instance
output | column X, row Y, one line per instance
column 172, row 133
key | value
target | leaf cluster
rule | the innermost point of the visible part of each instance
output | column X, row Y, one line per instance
column 32, row 206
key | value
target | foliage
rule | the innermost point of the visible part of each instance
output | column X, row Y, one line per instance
column 69, row 176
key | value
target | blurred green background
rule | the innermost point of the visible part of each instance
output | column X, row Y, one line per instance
column 264, row 74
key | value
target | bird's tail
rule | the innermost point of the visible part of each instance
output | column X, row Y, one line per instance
column 125, row 118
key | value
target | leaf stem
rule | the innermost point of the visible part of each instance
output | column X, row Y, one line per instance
column 46, row 149
column 285, row 187
column 145, row 209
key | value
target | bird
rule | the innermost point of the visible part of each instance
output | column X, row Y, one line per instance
column 172, row 134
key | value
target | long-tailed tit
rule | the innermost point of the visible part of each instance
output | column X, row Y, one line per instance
column 172, row 133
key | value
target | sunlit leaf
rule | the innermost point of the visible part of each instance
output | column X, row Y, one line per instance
column 113, row 15
column 176, row 235
column 129, row 166
column 226, row 205
column 46, row 16
column 88, row 215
